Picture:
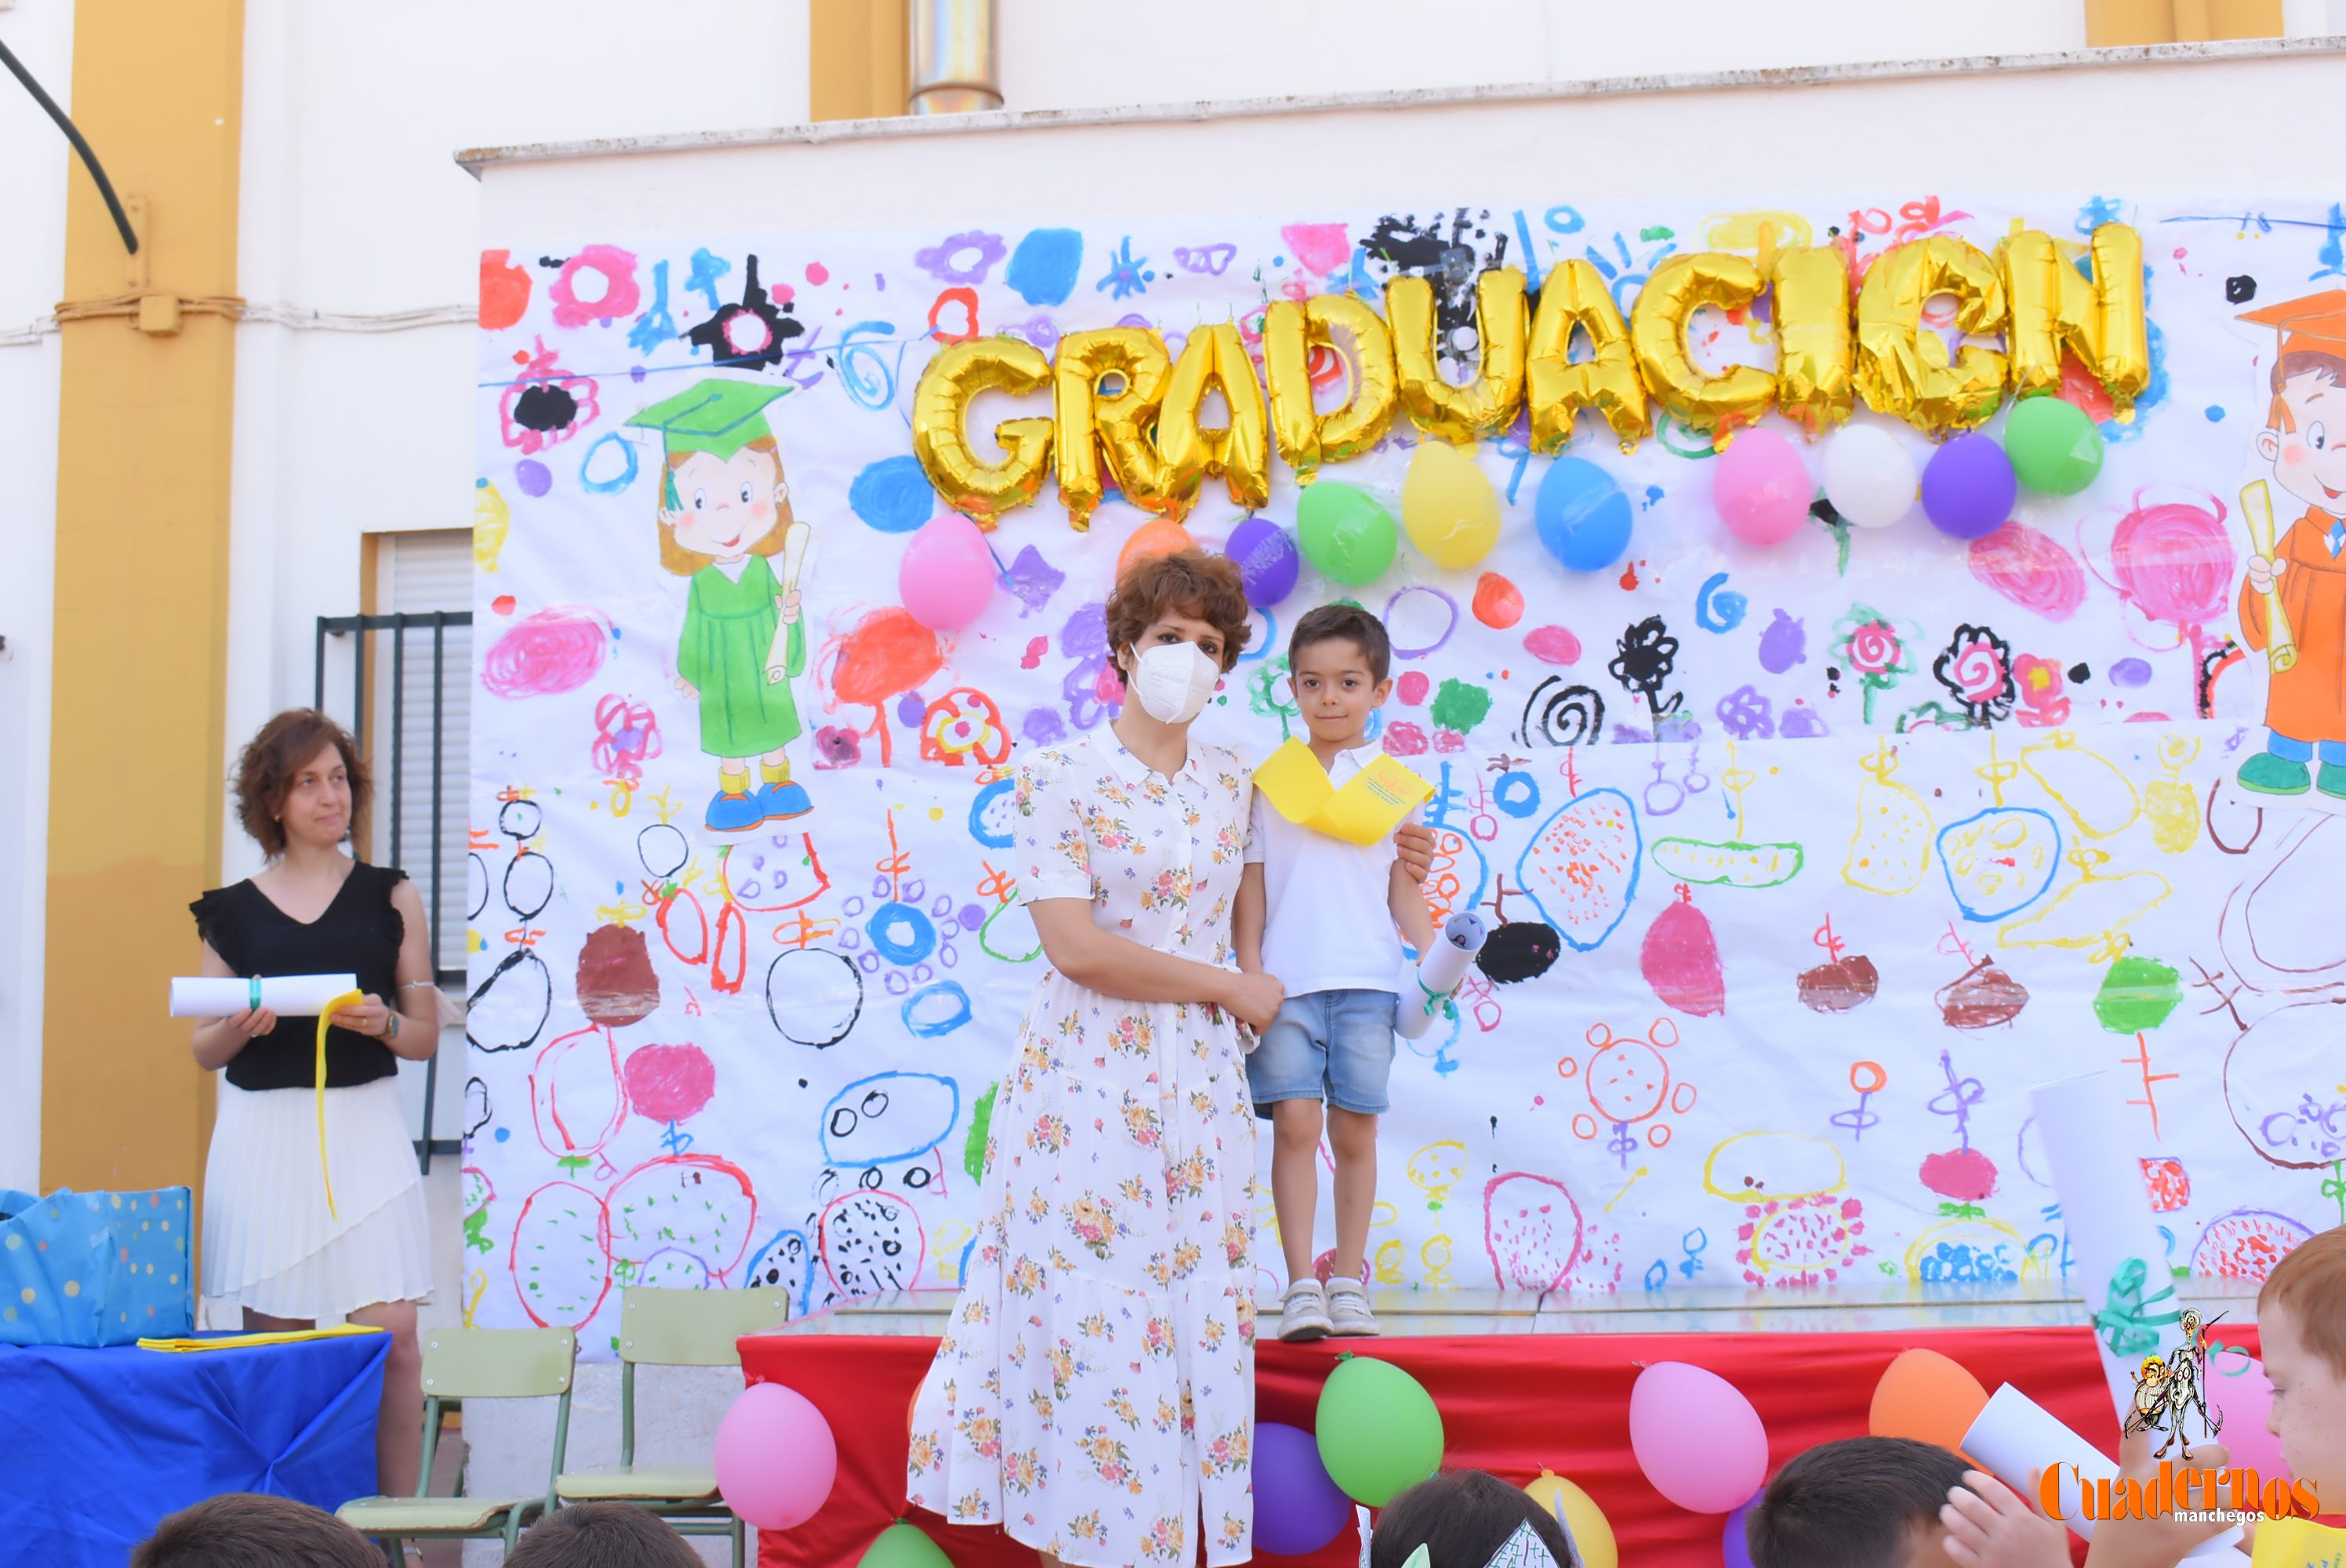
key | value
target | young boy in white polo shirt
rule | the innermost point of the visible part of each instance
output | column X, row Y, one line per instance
column 1327, row 917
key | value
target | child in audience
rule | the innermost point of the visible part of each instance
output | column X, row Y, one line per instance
column 2302, row 1324
column 1463, row 1518
column 1327, row 917
column 1861, row 1503
column 249, row 1530
column 602, row 1535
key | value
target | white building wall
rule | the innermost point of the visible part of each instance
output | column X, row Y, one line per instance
column 32, row 175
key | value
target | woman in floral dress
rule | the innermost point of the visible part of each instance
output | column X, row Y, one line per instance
column 1093, row 1394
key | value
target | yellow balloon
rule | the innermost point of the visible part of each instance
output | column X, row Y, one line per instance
column 1289, row 332
column 1241, row 452
column 979, row 489
column 1592, row 1532
column 1449, row 507
column 1658, row 328
column 1117, row 426
column 2103, row 321
column 1811, row 307
column 1486, row 405
column 1902, row 367
column 1575, row 297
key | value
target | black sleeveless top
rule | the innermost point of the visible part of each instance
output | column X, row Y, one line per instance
column 358, row 934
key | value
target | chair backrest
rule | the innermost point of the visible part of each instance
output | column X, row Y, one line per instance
column 694, row 1327
column 498, row 1363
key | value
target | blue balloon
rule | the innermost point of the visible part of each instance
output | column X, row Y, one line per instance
column 1584, row 518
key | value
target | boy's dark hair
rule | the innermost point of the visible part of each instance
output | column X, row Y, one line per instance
column 1351, row 623
column 602, row 1535
column 1462, row 1518
column 1855, row 1503
column 249, row 1530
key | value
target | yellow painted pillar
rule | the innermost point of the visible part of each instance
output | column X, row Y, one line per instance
column 858, row 64
column 144, row 426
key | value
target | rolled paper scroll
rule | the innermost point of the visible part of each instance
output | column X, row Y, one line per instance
column 1425, row 988
column 2017, row 1440
column 2121, row 1260
column 2281, row 643
column 288, row 995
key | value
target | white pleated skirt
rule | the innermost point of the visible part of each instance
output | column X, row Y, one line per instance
column 269, row 1243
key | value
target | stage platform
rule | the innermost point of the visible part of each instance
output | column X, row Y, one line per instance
column 1860, row 1308
column 1522, row 1381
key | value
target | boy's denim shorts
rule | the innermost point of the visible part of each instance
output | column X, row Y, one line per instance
column 1332, row 1046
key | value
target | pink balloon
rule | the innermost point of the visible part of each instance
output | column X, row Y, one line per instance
column 1698, row 1440
column 2238, row 1391
column 1761, row 488
column 947, row 576
column 776, row 1458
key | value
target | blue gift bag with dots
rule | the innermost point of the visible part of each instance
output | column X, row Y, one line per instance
column 95, row 1267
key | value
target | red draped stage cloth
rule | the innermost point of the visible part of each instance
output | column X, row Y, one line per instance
column 1511, row 1404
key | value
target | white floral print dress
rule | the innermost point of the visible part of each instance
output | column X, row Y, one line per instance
column 1094, row 1394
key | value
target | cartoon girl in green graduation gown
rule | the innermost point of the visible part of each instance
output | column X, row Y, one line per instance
column 725, row 511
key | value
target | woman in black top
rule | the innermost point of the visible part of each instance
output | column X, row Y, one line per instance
column 271, row 1247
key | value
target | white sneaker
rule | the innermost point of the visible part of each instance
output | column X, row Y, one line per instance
column 1349, row 1317
column 1303, row 1312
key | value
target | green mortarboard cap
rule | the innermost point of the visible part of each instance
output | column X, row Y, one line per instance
column 716, row 416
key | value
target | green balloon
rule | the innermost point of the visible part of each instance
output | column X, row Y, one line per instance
column 1345, row 532
column 1379, row 1432
column 903, row 1545
column 2055, row 448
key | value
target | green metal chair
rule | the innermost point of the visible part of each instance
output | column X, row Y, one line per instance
column 475, row 1364
column 675, row 1328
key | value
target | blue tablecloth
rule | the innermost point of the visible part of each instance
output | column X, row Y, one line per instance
column 101, row 1444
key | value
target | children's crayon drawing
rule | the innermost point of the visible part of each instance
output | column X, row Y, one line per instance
column 1804, row 860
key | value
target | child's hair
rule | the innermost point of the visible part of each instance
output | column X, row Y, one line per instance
column 247, row 1530
column 1184, row 582
column 1348, row 622
column 2310, row 1282
column 266, row 767
column 602, row 1535
column 1462, row 1518
column 2288, row 368
column 684, row 563
column 1852, row 1504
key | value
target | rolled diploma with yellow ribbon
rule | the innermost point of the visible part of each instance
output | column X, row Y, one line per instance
column 1371, row 806
column 2015, row 1439
column 2120, row 1259
column 1427, row 984
column 292, row 995
column 287, row 996
column 2280, row 644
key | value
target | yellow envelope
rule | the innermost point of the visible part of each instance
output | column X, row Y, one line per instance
column 2297, row 1543
column 1372, row 804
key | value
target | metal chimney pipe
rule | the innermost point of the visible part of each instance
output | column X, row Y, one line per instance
column 953, row 57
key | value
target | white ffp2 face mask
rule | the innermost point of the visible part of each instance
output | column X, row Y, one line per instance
column 1172, row 681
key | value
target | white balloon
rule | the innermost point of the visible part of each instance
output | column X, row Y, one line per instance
column 1869, row 478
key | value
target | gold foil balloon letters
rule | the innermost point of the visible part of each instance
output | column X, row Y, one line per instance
column 2102, row 322
column 1487, row 404
column 1289, row 332
column 1575, row 297
column 1810, row 306
column 981, row 490
column 1902, row 366
column 1658, row 328
column 1116, row 427
column 1214, row 357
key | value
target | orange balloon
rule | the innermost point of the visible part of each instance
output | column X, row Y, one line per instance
column 1925, row 1396
column 1156, row 537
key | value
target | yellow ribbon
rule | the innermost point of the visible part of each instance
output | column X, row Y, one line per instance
column 246, row 1341
column 326, row 1022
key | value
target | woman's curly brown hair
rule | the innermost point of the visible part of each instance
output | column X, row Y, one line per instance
column 266, row 770
column 1186, row 583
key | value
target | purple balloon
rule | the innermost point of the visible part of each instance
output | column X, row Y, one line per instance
column 1735, row 1546
column 1968, row 488
column 1267, row 559
column 1297, row 1510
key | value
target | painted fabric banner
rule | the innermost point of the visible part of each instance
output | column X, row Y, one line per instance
column 1804, row 860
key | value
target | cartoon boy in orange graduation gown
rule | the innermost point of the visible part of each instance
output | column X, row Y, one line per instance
column 2305, row 441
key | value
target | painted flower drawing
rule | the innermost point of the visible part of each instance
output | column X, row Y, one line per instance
column 1874, row 649
column 1976, row 667
column 2044, row 698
